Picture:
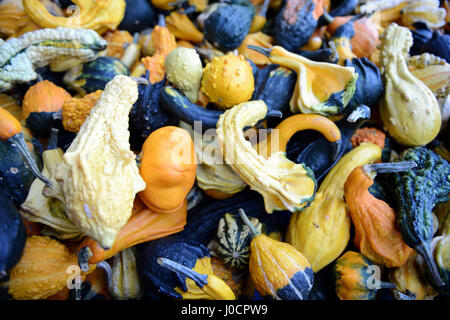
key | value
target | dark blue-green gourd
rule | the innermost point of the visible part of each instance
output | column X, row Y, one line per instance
column 417, row 191
column 13, row 236
column 147, row 115
column 16, row 175
column 94, row 75
column 294, row 24
column 160, row 281
column 226, row 27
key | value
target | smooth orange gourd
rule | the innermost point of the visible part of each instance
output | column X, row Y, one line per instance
column 168, row 167
column 44, row 96
column 144, row 225
column 9, row 125
column 376, row 233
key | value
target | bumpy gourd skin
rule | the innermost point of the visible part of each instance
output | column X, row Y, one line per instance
column 409, row 109
column 99, row 175
column 19, row 57
column 417, row 191
column 294, row 26
column 228, row 80
column 228, row 25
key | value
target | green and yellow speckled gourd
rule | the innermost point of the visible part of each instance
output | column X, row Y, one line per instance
column 277, row 269
column 283, row 184
column 233, row 240
column 322, row 231
column 409, row 110
column 19, row 57
column 99, row 175
column 357, row 278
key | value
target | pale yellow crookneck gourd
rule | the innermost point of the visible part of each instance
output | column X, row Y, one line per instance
column 99, row 175
column 283, row 184
column 323, row 88
column 409, row 110
column 98, row 15
column 322, row 231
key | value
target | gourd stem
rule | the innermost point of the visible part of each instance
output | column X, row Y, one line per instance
column 248, row 223
column 53, row 140
column 401, row 296
column 84, row 255
column 326, row 17
column 362, row 112
column 372, row 169
column 334, row 53
column 425, row 251
column 199, row 279
column 387, row 285
column 263, row 10
column 259, row 49
column 141, row 80
column 161, row 20
column 20, row 143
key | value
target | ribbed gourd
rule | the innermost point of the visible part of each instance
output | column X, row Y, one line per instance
column 102, row 142
column 322, row 231
column 233, row 240
column 228, row 80
column 276, row 268
column 42, row 270
column 283, row 184
column 75, row 111
column 124, row 283
column 19, row 57
column 409, row 110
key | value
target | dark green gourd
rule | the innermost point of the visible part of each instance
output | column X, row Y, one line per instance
column 319, row 154
column 294, row 24
column 13, row 236
column 369, row 86
column 417, row 191
column 159, row 281
column 16, row 175
column 94, row 75
column 226, row 27
column 147, row 115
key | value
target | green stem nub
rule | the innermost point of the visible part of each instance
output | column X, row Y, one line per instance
column 372, row 169
column 259, row 49
column 20, row 143
column 362, row 112
column 263, row 10
column 141, row 80
column 425, row 251
column 334, row 53
column 199, row 279
column 248, row 223
column 161, row 20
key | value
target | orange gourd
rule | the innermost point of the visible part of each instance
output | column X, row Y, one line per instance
column 373, row 135
column 42, row 270
column 9, row 125
column 144, row 225
column 168, row 167
column 376, row 232
column 164, row 42
column 44, row 96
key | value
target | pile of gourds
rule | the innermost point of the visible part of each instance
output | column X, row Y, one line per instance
column 236, row 149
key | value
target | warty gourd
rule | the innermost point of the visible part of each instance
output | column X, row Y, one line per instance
column 99, row 175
